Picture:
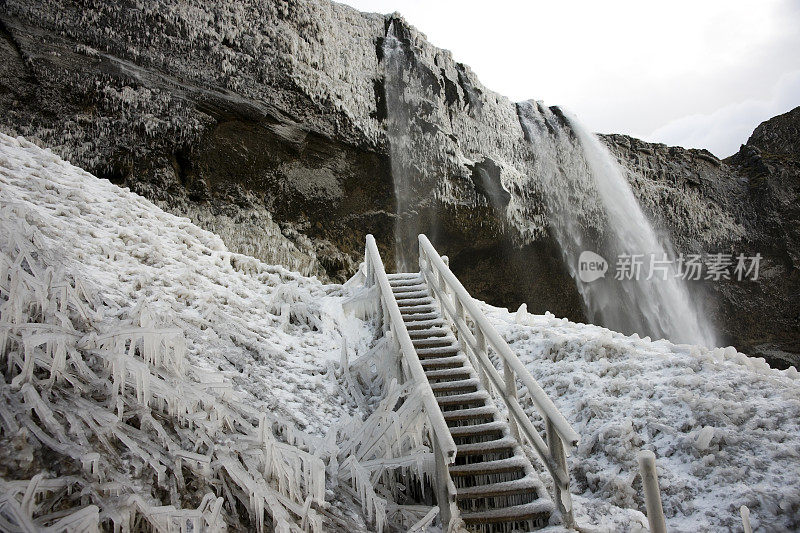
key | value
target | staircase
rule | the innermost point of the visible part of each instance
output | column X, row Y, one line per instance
column 497, row 488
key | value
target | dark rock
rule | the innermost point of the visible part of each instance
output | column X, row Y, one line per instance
column 266, row 123
column 487, row 181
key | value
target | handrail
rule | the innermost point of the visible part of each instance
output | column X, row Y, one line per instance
column 444, row 446
column 560, row 434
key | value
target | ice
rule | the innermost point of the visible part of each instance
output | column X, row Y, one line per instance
column 391, row 439
column 704, row 437
column 171, row 382
column 725, row 428
column 168, row 380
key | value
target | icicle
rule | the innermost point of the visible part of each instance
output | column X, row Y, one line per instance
column 26, row 372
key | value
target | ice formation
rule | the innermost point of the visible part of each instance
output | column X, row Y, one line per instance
column 149, row 375
column 154, row 380
column 725, row 427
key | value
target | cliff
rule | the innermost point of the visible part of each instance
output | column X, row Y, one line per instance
column 268, row 123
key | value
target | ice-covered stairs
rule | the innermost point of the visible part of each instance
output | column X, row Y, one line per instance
column 497, row 488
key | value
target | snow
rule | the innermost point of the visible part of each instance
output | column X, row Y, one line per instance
column 160, row 368
column 725, row 428
column 266, row 329
column 151, row 375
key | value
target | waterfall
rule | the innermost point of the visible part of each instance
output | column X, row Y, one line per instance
column 591, row 208
column 399, row 119
column 590, row 205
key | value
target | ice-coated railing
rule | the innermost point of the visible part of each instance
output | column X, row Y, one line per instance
column 476, row 334
column 444, row 447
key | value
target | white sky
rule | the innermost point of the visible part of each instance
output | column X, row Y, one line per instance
column 694, row 73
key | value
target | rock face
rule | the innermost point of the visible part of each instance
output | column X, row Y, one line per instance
column 209, row 111
column 270, row 124
column 750, row 207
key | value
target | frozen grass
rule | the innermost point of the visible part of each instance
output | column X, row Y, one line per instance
column 149, row 375
column 725, row 427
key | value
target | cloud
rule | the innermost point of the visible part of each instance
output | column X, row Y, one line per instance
column 724, row 130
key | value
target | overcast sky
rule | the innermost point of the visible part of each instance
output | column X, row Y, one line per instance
column 694, row 73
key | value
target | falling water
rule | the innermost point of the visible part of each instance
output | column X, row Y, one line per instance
column 399, row 119
column 591, row 207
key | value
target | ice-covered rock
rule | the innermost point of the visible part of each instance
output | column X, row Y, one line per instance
column 270, row 124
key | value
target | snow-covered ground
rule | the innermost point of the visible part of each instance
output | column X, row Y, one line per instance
column 151, row 375
column 725, row 427
column 96, row 282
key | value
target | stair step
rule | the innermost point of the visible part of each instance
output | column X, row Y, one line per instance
column 410, row 316
column 404, row 278
column 441, row 345
column 410, row 295
column 478, row 429
column 410, row 302
column 402, row 289
column 434, row 342
column 481, row 448
column 436, row 351
column 487, row 411
column 538, row 511
column 470, row 384
column 449, row 374
column 440, row 355
column 469, row 398
column 490, row 467
column 444, row 362
column 429, row 332
column 409, row 311
column 413, row 325
column 523, row 485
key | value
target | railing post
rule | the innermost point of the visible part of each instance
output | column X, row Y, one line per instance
column 511, row 392
column 744, row 511
column 368, row 282
column 401, row 371
column 442, row 494
column 652, row 494
column 563, row 499
column 398, row 361
column 386, row 319
column 459, row 315
column 481, row 341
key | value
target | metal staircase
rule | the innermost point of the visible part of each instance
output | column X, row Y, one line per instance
column 496, row 486
column 485, row 480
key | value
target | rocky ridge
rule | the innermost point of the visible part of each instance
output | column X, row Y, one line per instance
column 266, row 122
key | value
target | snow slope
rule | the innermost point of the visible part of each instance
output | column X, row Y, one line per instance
column 725, row 428
column 150, row 375
column 131, row 340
